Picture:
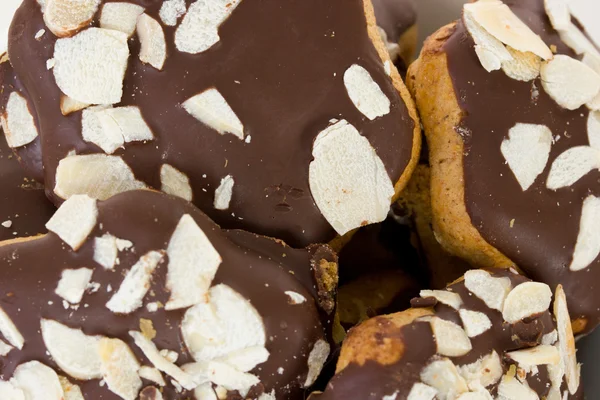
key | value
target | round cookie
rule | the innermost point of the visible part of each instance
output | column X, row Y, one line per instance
column 143, row 290
column 458, row 345
column 510, row 185
column 284, row 119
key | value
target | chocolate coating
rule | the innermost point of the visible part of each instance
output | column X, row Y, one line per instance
column 279, row 65
column 373, row 380
column 395, row 16
column 258, row 268
column 546, row 223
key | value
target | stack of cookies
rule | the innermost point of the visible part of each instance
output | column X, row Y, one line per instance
column 233, row 200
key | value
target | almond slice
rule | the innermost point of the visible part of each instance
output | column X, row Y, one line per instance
column 577, row 40
column 540, row 355
column 492, row 291
column 230, row 378
column 499, row 21
column 211, row 108
column 523, row 67
column 66, row 17
column 490, row 51
column 585, row 13
column 593, row 61
column 120, row 16
column 419, row 391
column 365, row 93
column 193, row 263
column 105, row 250
column 295, row 298
column 199, row 30
column 316, row 360
column 451, row 339
column 526, row 300
column 10, row 331
column 131, row 123
column 153, row 49
column 17, row 122
column 151, row 393
column 484, row 372
column 73, row 283
column 224, row 325
column 152, row 375
column 97, row 175
column 175, row 182
column 443, row 376
column 205, row 392
column 69, row 105
column 90, row 66
column 475, row 322
column 566, row 340
column 482, row 395
column 5, row 348
column 119, row 368
column 70, row 390
column 101, row 130
column 443, row 296
column 569, row 82
column 136, row 284
column 72, row 350
column 511, row 389
column 171, row 11
column 246, row 359
column 74, row 220
column 224, row 193
column 571, row 166
column 550, row 339
column 348, row 180
column 153, row 355
column 526, row 151
column 38, row 382
column 587, row 246
column 559, row 13
column 593, row 127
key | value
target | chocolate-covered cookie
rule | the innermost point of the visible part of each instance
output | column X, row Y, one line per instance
column 285, row 119
column 489, row 336
column 143, row 290
column 397, row 21
column 509, row 97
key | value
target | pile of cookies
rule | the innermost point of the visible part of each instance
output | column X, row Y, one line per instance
column 233, row 199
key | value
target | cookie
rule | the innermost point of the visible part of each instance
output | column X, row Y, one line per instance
column 490, row 335
column 144, row 292
column 282, row 119
column 510, row 115
column 397, row 22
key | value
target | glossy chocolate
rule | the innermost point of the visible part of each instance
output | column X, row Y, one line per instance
column 542, row 238
column 395, row 16
column 259, row 268
column 280, row 65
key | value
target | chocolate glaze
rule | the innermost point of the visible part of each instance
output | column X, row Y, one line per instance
column 257, row 267
column 395, row 16
column 546, row 223
column 279, row 65
column 374, row 380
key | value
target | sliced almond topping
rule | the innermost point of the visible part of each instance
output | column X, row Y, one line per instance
column 571, row 166
column 171, row 11
column 66, row 17
column 130, row 122
column 419, row 391
column 175, row 182
column 38, row 381
column 492, row 291
column 593, row 127
column 585, row 13
column 484, row 372
column 511, row 389
column 72, row 350
column 199, row 30
column 5, row 348
column 316, row 360
column 365, row 93
column 475, row 322
column 443, row 296
column 205, row 392
column 8, row 391
column 566, row 340
column 227, row 323
column 443, row 376
column 98, row 128
column 17, row 122
column 569, row 82
column 295, row 298
column 151, row 352
column 105, row 250
column 526, row 300
column 120, row 16
column 136, row 284
column 246, row 359
column 577, row 40
column 152, row 375
column 70, row 390
column 550, row 338
column 593, row 61
column 211, row 108
column 451, row 339
column 119, row 368
column 229, row 378
column 587, row 247
column 559, row 13
column 10, row 331
column 499, row 21
column 74, row 220
column 193, row 263
column 153, row 49
column 97, row 175
column 348, row 180
column 526, row 151
column 490, row 51
column 90, row 66
column 224, row 193
column 73, row 283
column 482, row 395
column 523, row 67
column 69, row 105
column 540, row 355
column 151, row 393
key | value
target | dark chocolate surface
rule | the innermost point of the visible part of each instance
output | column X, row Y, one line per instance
column 546, row 222
column 258, row 268
column 395, row 16
column 280, row 65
